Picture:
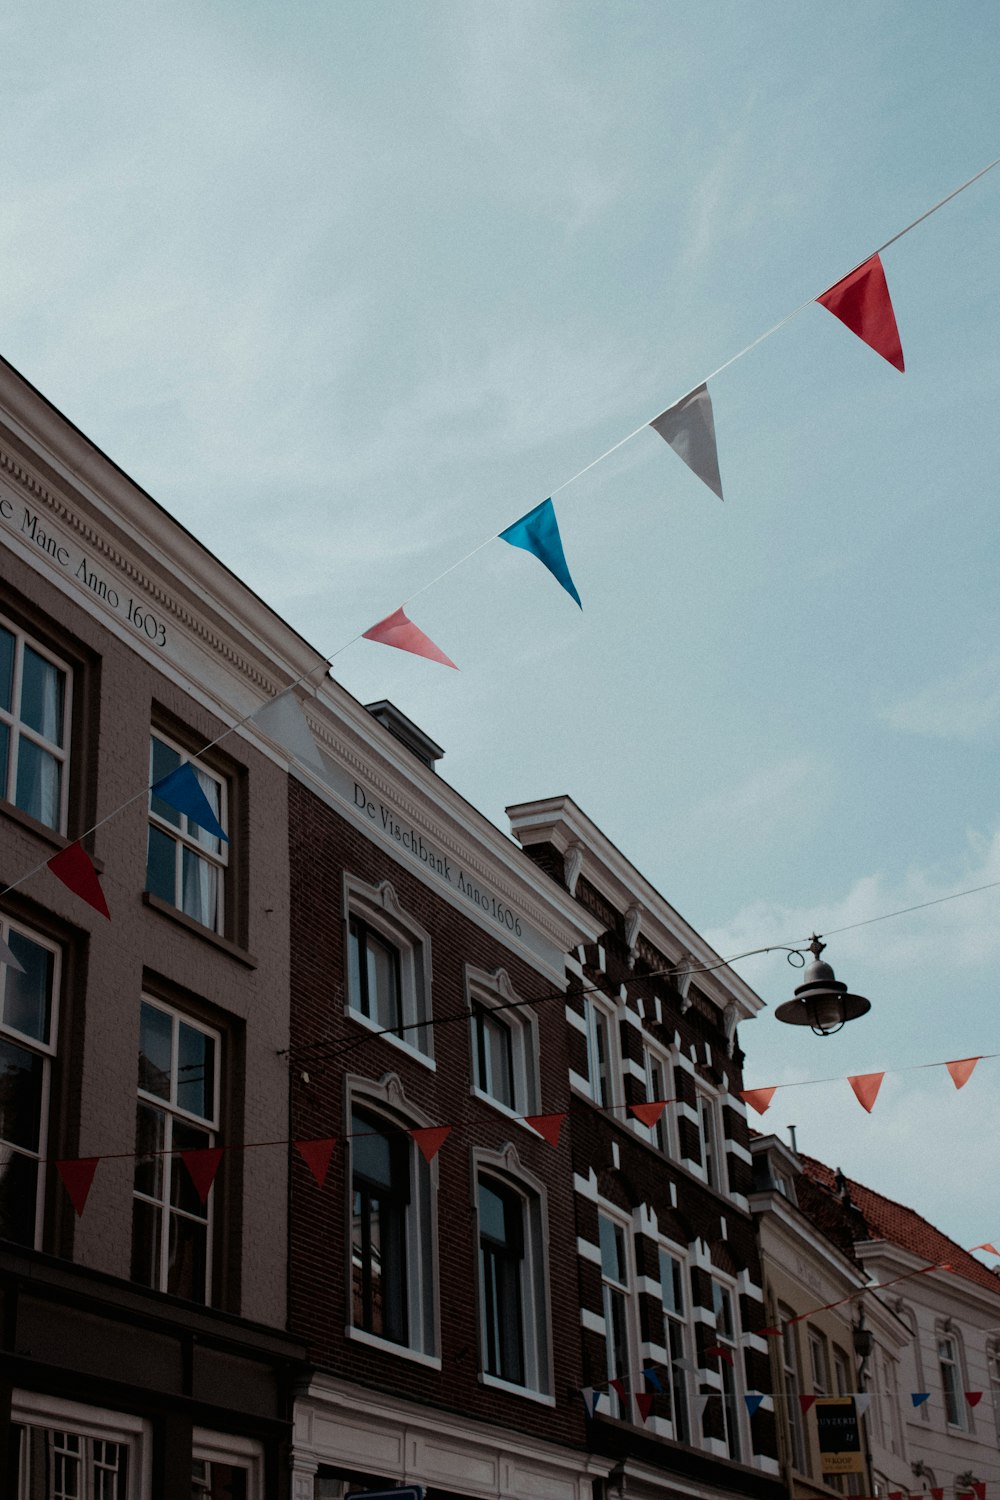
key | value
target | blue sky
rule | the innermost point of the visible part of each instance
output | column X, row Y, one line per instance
column 350, row 288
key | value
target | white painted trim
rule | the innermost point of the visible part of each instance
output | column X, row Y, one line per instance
column 362, row 1336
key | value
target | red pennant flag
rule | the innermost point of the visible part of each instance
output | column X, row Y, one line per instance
column 862, row 303
column 961, row 1071
column 202, row 1165
column 649, row 1113
column 396, row 630
column 430, row 1139
column 548, row 1126
column 758, row 1099
column 770, row 1333
column 619, row 1386
column 316, row 1155
column 937, row 1493
column 717, row 1352
column 866, row 1087
column 77, row 1177
column 973, row 1397
column 644, row 1401
column 806, row 1403
column 979, row 1485
column 74, row 867
column 992, row 1249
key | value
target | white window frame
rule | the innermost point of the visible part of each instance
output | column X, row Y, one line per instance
column 378, row 907
column 677, row 1380
column 627, row 1291
column 954, row 1361
column 184, row 839
column 711, row 1145
column 505, row 1169
column 993, row 1375
column 733, row 1343
column 174, row 1113
column 228, row 1448
column 46, row 1050
column 18, row 729
column 663, row 1135
column 92, row 1424
column 601, row 1019
column 490, row 991
column 387, row 1101
column 791, row 1379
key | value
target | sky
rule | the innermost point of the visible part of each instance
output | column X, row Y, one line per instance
column 350, row 288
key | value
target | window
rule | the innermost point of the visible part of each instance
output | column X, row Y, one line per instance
column 791, row 1384
column 993, row 1367
column 710, row 1135
column 225, row 1467
column 726, row 1336
column 388, row 966
column 951, row 1381
column 28, row 1025
column 64, row 1451
column 602, row 1080
column 617, row 1306
column 34, row 727
column 675, row 1339
column 185, row 864
column 658, row 1087
column 819, row 1359
column 392, row 1293
column 504, row 1044
column 512, row 1283
column 178, row 1110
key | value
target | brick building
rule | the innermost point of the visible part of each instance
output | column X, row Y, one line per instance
column 143, row 1349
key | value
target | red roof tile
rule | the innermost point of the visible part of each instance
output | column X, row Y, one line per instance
column 886, row 1220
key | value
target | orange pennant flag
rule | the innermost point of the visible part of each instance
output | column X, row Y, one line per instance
column 430, row 1139
column 548, row 1126
column 202, row 1165
column 399, row 631
column 649, row 1113
column 961, row 1071
column 316, row 1155
column 77, row 1177
column 758, row 1099
column 991, row 1249
column 866, row 1087
column 75, row 868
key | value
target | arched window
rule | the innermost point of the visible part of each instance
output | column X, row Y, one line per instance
column 513, row 1299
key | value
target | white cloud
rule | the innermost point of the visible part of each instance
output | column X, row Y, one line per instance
column 961, row 706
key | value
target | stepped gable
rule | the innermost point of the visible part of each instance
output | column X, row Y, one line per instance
column 886, row 1220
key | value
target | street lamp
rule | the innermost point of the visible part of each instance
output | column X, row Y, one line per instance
column 821, row 1002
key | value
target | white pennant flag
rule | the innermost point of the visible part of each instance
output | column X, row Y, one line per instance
column 699, row 1403
column 7, row 957
column 862, row 1401
column 689, row 427
column 283, row 721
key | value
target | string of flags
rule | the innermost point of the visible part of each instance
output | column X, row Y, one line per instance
column 865, row 1086
column 860, row 300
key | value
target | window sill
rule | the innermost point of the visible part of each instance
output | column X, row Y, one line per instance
column 402, row 1351
column 205, row 933
column 516, row 1119
column 389, row 1036
column 496, row 1384
column 42, row 830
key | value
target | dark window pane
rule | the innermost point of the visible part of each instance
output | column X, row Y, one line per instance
column 355, row 987
column 20, row 1096
column 155, row 1028
column 195, row 1072
column 6, row 668
column 4, row 758
column 612, row 1250
column 371, row 1154
column 27, row 996
column 161, row 866
column 149, row 1132
column 183, row 1193
column 18, row 1195
column 146, row 1243
column 188, row 1258
column 163, row 760
column 42, row 692
column 39, row 777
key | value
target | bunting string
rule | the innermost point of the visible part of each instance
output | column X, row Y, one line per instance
column 695, row 444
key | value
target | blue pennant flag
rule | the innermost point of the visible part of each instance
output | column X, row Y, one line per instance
column 538, row 532
column 651, row 1378
column 181, row 791
column 752, row 1401
column 919, row 1397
